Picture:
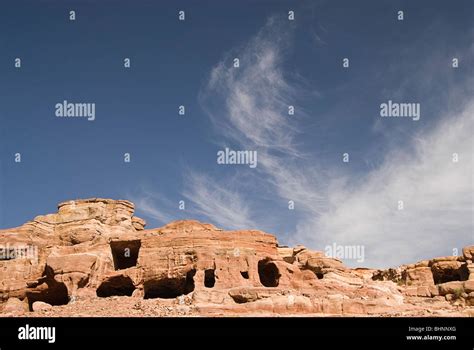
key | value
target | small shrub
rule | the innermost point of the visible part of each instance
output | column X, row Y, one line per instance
column 457, row 293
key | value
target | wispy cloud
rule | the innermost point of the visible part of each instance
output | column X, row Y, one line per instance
column 216, row 201
column 437, row 195
column 248, row 106
column 153, row 205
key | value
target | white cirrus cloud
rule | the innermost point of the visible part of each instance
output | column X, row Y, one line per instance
column 217, row 202
column 247, row 106
column 437, row 194
column 153, row 205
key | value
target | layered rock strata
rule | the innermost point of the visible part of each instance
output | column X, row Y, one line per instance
column 95, row 250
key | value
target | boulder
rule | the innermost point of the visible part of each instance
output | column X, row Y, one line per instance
column 15, row 306
column 454, row 287
column 39, row 306
column 468, row 252
column 138, row 223
column 468, row 286
column 317, row 262
column 419, row 276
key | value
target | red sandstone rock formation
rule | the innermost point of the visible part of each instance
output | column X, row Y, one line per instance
column 93, row 257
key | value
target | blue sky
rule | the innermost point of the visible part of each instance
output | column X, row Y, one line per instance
column 283, row 62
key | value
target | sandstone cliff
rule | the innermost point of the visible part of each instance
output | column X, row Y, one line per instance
column 94, row 257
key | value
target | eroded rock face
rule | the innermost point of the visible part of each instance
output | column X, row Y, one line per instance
column 449, row 277
column 96, row 248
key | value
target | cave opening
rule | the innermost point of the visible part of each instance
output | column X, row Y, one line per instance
column 209, row 278
column 49, row 291
column 444, row 275
column 319, row 275
column 244, row 274
column 125, row 253
column 268, row 273
column 117, row 285
column 170, row 287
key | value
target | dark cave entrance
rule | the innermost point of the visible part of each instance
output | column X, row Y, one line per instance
column 244, row 274
column 209, row 278
column 170, row 287
column 268, row 273
column 50, row 291
column 125, row 253
column 117, row 285
column 450, row 274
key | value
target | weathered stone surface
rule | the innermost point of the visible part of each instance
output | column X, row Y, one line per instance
column 419, row 275
column 420, row 291
column 443, row 258
column 94, row 250
column 454, row 287
column 434, row 291
column 449, row 270
column 15, row 306
column 317, row 262
column 470, row 269
column 138, row 223
column 423, row 263
column 468, row 252
column 469, row 286
column 39, row 305
column 287, row 254
column 470, row 300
